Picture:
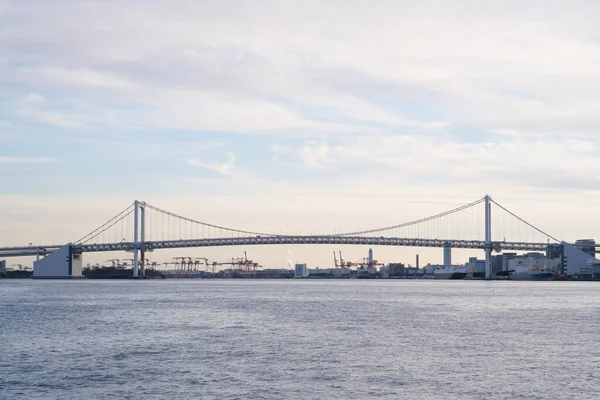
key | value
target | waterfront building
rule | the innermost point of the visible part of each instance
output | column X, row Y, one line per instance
column 587, row 246
column 396, row 270
column 497, row 264
column 430, row 268
column 2, row 266
column 329, row 272
column 301, row 271
column 384, row 271
column 578, row 263
column 533, row 261
column 475, row 266
column 62, row 263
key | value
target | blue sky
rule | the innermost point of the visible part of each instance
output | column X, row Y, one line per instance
column 195, row 102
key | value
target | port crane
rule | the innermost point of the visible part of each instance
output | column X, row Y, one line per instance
column 206, row 262
column 115, row 263
column 239, row 265
column 343, row 263
column 367, row 262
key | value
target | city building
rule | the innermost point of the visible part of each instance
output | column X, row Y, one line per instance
column 384, row 271
column 301, row 271
column 533, row 261
column 62, row 263
column 396, row 270
column 475, row 266
column 587, row 246
column 497, row 262
column 430, row 268
column 578, row 263
column 2, row 266
column 329, row 273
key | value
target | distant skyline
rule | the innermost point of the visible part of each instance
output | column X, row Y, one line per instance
column 297, row 116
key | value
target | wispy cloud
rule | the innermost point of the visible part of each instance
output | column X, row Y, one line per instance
column 226, row 169
column 35, row 107
column 25, row 160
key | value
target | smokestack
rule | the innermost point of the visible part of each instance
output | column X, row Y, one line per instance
column 417, row 261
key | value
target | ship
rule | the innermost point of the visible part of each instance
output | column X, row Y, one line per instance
column 458, row 272
column 533, row 275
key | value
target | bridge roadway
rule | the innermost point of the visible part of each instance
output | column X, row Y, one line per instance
column 23, row 251
column 278, row 240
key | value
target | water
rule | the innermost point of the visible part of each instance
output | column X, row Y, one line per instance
column 225, row 339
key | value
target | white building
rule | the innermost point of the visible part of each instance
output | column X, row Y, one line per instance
column 301, row 271
column 62, row 263
column 532, row 261
column 430, row 268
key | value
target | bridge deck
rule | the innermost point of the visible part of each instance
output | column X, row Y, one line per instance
column 337, row 240
column 278, row 240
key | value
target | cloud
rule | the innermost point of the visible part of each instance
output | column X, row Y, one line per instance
column 227, row 169
column 36, row 108
column 360, row 70
column 85, row 77
column 25, row 160
column 33, row 98
column 518, row 160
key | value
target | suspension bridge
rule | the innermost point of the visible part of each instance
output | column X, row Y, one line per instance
column 142, row 227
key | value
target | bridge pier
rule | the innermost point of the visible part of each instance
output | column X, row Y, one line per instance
column 447, row 255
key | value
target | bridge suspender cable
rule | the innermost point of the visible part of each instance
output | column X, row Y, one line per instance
column 170, row 214
column 526, row 223
column 412, row 222
column 106, row 225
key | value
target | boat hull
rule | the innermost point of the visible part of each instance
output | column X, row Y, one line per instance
column 534, row 276
column 451, row 275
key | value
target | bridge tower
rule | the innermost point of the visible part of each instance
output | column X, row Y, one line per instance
column 136, row 210
column 142, row 206
column 488, row 237
column 139, row 238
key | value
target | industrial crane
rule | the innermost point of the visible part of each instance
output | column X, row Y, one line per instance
column 343, row 264
column 205, row 263
column 115, row 263
column 367, row 262
column 239, row 265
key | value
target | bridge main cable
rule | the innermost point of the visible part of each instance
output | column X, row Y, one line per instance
column 113, row 221
column 525, row 222
column 170, row 214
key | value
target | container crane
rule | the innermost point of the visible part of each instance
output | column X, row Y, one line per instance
column 342, row 263
column 366, row 263
column 197, row 261
column 239, row 265
column 115, row 263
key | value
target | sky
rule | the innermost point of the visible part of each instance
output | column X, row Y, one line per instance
column 304, row 116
